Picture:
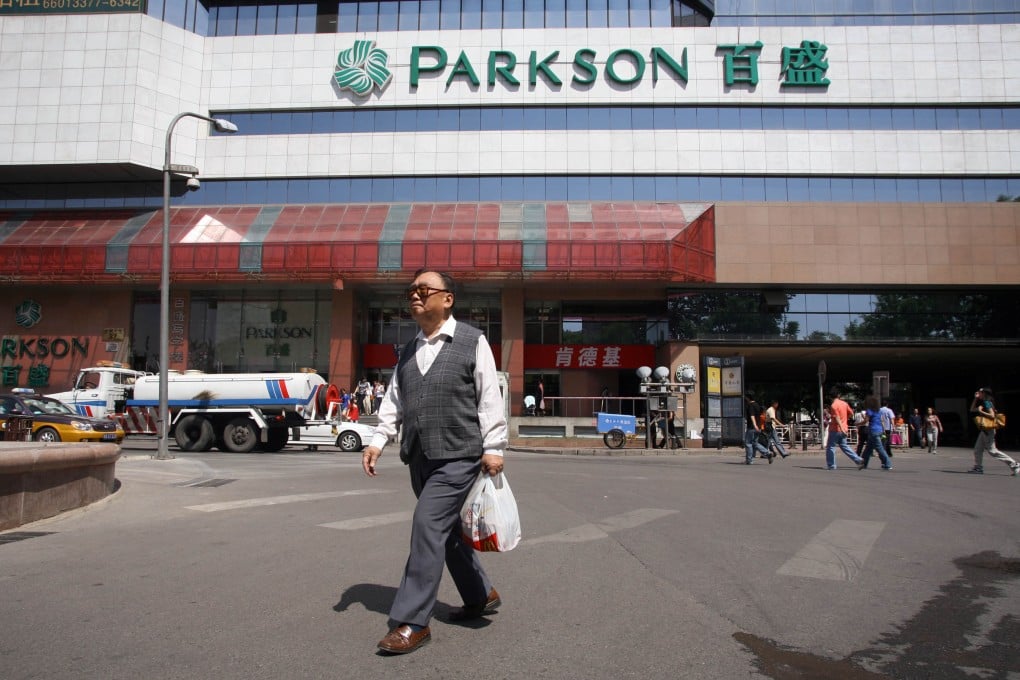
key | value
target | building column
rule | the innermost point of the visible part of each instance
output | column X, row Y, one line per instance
column 512, row 346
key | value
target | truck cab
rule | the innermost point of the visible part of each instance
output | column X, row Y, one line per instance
column 100, row 390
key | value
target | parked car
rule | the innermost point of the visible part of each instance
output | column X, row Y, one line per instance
column 347, row 436
column 53, row 421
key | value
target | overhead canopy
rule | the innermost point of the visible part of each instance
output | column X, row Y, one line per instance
column 641, row 241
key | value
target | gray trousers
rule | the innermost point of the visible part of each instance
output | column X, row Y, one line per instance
column 441, row 487
column 986, row 444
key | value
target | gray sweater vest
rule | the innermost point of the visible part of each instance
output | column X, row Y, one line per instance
column 440, row 408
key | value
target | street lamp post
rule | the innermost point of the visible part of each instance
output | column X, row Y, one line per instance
column 163, row 420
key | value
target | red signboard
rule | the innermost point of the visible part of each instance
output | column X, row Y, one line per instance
column 588, row 356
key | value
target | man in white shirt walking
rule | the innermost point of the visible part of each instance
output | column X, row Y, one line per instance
column 445, row 393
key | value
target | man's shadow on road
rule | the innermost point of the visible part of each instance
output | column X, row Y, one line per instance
column 372, row 596
column 377, row 598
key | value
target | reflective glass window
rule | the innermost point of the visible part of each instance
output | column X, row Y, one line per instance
column 368, row 16
column 406, row 120
column 619, row 14
column 490, row 188
column 924, row 119
column 665, row 188
column 577, row 13
column 754, row 188
column 534, row 118
column 644, row 189
column 970, row 119
column 513, row 118
column 797, row 189
column 389, row 15
column 599, row 186
column 750, row 118
column 860, row 119
column 471, row 14
column 881, row 119
column 842, row 189
column 688, row 189
column 449, row 15
column 640, row 13
column 818, row 189
column 246, row 18
column 642, row 118
column 598, row 13
column 661, row 14
column 947, row 119
column 729, row 118
column 555, row 118
column 286, row 19
column 773, row 118
column 666, row 118
column 707, row 117
column 903, row 119
column 555, row 13
column 815, row 118
column 513, row 14
column 577, row 188
column 556, row 188
column 491, row 119
column 470, row 120
column 306, row 17
column 837, row 119
column 265, row 23
column 775, row 188
column 534, row 13
column 952, row 190
column 492, row 13
column 622, row 188
column 429, row 17
column 710, row 188
column 795, row 118
column 409, row 13
column 731, row 189
column 598, row 118
column 929, row 190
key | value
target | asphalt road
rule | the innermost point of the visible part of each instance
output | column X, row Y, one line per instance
column 691, row 566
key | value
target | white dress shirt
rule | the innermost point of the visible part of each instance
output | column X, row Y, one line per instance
column 491, row 418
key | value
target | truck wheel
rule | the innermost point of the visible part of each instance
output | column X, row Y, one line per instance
column 349, row 441
column 240, row 435
column 194, row 433
column 615, row 438
column 47, row 434
column 277, row 439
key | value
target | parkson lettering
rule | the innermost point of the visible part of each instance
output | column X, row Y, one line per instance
column 623, row 66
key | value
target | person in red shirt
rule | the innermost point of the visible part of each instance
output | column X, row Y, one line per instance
column 840, row 417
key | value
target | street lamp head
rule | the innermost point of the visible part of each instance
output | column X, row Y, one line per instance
column 224, row 125
column 193, row 184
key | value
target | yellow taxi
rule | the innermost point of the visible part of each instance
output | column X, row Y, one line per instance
column 53, row 421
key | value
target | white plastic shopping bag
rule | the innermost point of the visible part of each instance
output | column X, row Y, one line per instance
column 489, row 520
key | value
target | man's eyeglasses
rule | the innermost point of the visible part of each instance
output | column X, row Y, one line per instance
column 423, row 292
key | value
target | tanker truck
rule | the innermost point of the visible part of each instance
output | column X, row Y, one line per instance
column 235, row 412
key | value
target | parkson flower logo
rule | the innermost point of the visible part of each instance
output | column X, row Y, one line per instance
column 361, row 68
column 28, row 313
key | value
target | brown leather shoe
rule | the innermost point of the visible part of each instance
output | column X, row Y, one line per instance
column 403, row 639
column 469, row 612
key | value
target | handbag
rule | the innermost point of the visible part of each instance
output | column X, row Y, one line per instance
column 489, row 519
column 984, row 422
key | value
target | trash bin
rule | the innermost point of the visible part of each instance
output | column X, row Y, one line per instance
column 18, row 429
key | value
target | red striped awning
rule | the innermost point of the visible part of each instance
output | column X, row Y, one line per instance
column 673, row 242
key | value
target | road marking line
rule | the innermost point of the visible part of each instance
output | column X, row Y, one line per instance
column 600, row 530
column 280, row 500
column 837, row 553
column 369, row 522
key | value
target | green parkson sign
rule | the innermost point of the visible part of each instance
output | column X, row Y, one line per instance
column 363, row 68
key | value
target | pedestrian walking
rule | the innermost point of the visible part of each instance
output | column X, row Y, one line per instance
column 916, row 428
column 888, row 417
column 753, row 416
column 983, row 405
column 876, row 428
column 932, row 430
column 771, row 423
column 840, row 417
column 445, row 393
